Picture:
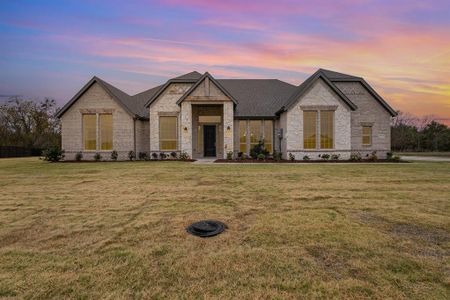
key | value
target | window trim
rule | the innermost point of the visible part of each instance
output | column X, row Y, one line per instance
column 176, row 133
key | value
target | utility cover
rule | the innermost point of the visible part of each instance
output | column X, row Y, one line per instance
column 206, row 228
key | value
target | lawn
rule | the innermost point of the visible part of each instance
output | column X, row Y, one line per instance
column 117, row 230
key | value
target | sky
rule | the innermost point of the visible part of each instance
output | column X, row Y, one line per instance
column 402, row 48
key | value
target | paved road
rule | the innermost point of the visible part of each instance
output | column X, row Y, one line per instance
column 425, row 158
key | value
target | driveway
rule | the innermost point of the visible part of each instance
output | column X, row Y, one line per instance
column 425, row 158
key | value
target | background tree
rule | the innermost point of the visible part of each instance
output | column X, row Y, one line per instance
column 29, row 124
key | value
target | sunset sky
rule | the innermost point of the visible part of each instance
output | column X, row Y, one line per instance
column 402, row 48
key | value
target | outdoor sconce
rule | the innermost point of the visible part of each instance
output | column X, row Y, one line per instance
column 185, row 129
column 228, row 128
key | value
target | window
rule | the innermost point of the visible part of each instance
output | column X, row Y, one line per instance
column 90, row 131
column 243, row 136
column 367, row 135
column 106, row 133
column 326, row 129
column 255, row 133
column 309, row 129
column 168, row 133
column 268, row 135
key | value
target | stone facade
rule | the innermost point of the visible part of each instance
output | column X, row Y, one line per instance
column 207, row 99
column 96, row 100
column 319, row 97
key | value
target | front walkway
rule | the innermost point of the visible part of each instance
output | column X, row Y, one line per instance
column 208, row 160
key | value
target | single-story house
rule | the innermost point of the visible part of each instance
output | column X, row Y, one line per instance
column 202, row 116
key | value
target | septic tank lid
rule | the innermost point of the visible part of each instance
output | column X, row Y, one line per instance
column 206, row 228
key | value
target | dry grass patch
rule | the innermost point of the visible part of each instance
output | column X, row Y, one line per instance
column 117, row 230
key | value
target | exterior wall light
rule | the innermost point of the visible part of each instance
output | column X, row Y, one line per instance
column 185, row 129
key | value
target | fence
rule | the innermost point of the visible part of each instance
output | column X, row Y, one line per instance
column 13, row 151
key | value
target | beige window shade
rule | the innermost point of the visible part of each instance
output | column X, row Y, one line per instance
column 168, row 133
column 90, row 131
column 309, row 129
column 326, row 129
column 106, row 132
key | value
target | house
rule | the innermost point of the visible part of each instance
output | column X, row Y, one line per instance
column 200, row 115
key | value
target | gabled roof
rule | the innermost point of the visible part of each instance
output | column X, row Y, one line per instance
column 302, row 88
column 200, row 80
column 191, row 77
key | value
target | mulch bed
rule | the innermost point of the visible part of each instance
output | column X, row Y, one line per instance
column 271, row 161
column 117, row 161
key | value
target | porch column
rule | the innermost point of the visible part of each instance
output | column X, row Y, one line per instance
column 186, row 128
column 228, row 118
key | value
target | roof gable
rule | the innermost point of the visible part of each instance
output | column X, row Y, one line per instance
column 204, row 77
column 119, row 96
column 309, row 82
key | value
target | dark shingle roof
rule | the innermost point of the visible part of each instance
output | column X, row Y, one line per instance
column 190, row 76
column 332, row 75
column 258, row 97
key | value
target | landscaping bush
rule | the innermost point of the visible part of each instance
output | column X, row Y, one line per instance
column 53, row 154
column 79, row 156
column 184, row 156
column 372, row 156
column 131, row 155
column 261, row 156
column 258, row 149
column 162, row 155
column 277, row 155
column 97, row 157
column 114, row 155
column 173, row 155
column 142, row 155
column 324, row 156
column 291, row 157
column 240, row 155
column 230, row 155
column 355, row 156
column 335, row 156
column 389, row 155
column 155, row 155
column 306, row 157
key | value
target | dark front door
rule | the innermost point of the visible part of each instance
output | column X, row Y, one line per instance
column 209, row 140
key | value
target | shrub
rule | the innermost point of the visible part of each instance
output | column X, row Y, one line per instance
column 335, row 156
column 389, row 155
column 155, row 155
column 355, row 156
column 79, row 156
column 142, row 155
column 184, row 156
column 114, row 155
column 261, row 156
column 97, row 157
column 291, row 157
column 258, row 149
column 373, row 156
column 324, row 156
column 131, row 155
column 173, row 155
column 240, row 155
column 395, row 158
column 162, row 155
column 230, row 155
column 53, row 154
column 306, row 157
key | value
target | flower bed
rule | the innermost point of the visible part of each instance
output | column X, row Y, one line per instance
column 147, row 160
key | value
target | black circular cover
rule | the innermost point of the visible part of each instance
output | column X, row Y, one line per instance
column 206, row 228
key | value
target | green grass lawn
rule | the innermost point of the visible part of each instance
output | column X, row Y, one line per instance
column 117, row 230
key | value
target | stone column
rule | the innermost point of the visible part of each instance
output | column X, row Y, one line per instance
column 228, row 118
column 186, row 128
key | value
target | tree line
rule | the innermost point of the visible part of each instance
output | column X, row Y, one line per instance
column 33, row 125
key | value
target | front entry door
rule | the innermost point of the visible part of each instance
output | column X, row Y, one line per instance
column 209, row 140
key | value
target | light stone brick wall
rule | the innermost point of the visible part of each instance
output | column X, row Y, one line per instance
column 186, row 123
column 322, row 97
column 371, row 112
column 228, row 120
column 166, row 104
column 96, row 99
column 142, row 136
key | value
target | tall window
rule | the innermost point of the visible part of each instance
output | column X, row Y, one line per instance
column 243, row 136
column 268, row 135
column 255, row 132
column 168, row 133
column 90, row 131
column 326, row 129
column 104, row 131
column 367, row 135
column 309, row 129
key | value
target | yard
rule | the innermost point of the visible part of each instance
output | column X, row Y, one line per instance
column 117, row 230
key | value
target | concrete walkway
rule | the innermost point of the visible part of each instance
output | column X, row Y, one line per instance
column 204, row 161
column 425, row 158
